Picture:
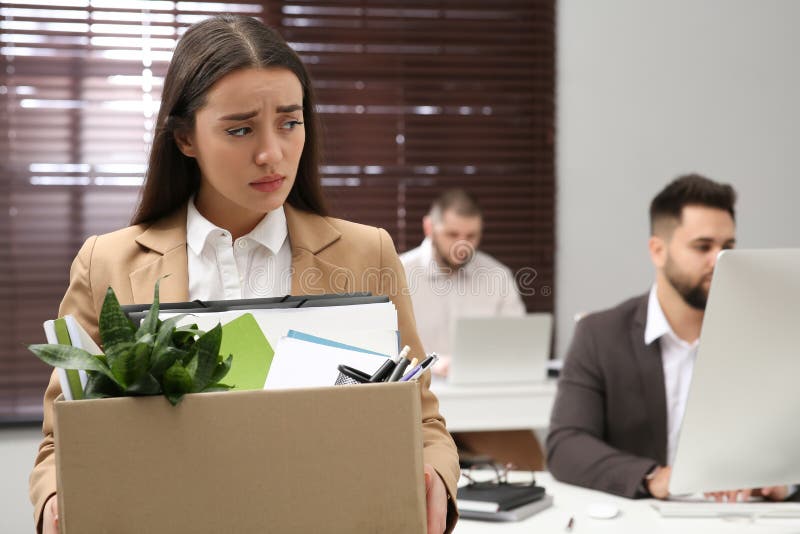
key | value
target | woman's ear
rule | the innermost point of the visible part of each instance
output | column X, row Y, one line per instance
column 185, row 141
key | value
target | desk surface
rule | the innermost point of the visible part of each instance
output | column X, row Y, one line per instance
column 636, row 516
column 511, row 406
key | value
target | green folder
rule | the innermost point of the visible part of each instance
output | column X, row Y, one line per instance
column 73, row 377
column 252, row 353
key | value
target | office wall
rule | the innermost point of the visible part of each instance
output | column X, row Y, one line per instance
column 649, row 89
column 18, row 448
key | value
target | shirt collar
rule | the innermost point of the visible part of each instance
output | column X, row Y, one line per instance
column 270, row 232
column 657, row 324
column 198, row 228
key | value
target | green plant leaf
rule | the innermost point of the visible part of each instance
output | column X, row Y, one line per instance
column 217, row 387
column 165, row 331
column 129, row 362
column 100, row 386
column 207, row 356
column 149, row 324
column 114, row 325
column 147, row 385
column 184, row 336
column 223, row 366
column 116, row 352
column 69, row 357
column 177, row 382
column 163, row 360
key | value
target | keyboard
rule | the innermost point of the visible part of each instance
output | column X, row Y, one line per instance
column 729, row 509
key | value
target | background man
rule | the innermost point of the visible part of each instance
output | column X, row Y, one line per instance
column 623, row 389
column 448, row 277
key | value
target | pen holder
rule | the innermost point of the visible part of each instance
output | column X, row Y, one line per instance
column 349, row 376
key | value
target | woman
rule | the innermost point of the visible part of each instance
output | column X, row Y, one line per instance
column 232, row 192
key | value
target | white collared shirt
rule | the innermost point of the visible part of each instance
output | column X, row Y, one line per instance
column 483, row 288
column 677, row 360
column 256, row 265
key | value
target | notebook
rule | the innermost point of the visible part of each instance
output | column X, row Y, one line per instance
column 515, row 514
column 491, row 350
column 496, row 498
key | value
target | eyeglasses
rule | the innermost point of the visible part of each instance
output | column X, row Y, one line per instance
column 490, row 474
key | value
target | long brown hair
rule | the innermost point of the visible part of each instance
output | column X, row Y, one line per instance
column 208, row 51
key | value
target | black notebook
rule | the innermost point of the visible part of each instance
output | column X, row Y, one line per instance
column 497, row 498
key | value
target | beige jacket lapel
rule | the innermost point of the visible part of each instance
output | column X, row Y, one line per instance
column 166, row 239
column 310, row 234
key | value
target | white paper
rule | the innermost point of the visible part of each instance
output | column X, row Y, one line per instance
column 298, row 363
column 368, row 326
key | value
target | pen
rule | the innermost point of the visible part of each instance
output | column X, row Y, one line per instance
column 570, row 524
column 426, row 364
column 383, row 371
column 413, row 369
column 401, row 365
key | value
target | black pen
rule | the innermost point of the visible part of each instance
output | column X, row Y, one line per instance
column 383, row 371
column 570, row 524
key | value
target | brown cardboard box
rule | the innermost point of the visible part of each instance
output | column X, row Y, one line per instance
column 338, row 459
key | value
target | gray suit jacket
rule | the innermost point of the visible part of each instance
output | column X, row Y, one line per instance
column 608, row 428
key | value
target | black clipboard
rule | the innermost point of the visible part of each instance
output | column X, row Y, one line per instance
column 136, row 312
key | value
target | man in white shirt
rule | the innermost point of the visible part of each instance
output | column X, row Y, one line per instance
column 448, row 277
column 625, row 381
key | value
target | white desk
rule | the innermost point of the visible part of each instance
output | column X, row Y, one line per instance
column 495, row 407
column 636, row 516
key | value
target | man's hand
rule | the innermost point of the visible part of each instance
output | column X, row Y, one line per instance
column 658, row 485
column 436, row 498
column 773, row 493
column 50, row 516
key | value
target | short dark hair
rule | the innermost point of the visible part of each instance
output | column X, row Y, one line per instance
column 457, row 200
column 689, row 190
column 209, row 50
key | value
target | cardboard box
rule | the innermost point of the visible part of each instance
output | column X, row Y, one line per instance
column 338, row 459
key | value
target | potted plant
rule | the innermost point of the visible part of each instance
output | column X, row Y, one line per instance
column 157, row 357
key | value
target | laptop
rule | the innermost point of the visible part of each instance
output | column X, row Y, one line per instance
column 740, row 426
column 493, row 350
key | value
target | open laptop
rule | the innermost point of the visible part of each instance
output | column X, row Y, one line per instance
column 740, row 429
column 491, row 350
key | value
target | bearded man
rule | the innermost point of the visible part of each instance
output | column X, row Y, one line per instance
column 448, row 277
column 623, row 389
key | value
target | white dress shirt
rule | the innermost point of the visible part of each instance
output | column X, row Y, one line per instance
column 677, row 359
column 483, row 288
column 256, row 265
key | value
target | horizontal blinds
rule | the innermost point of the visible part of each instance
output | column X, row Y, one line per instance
column 415, row 97
column 80, row 87
column 421, row 96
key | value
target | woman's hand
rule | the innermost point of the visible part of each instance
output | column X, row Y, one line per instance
column 50, row 516
column 436, row 498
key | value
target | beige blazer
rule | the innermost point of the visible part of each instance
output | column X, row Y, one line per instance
column 328, row 256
